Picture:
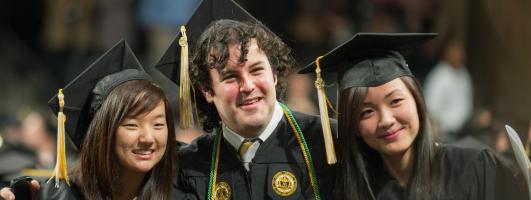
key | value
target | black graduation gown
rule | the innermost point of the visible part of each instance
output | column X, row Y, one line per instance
column 63, row 192
column 280, row 152
column 464, row 173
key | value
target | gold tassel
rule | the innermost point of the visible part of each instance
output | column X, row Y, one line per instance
column 185, row 108
column 60, row 171
column 323, row 111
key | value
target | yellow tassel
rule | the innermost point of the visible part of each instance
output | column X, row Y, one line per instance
column 60, row 171
column 323, row 111
column 185, row 108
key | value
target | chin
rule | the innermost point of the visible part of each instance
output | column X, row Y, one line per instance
column 395, row 149
column 144, row 168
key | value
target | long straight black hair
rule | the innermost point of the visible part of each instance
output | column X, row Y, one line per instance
column 358, row 164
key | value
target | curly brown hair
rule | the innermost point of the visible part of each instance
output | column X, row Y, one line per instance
column 211, row 51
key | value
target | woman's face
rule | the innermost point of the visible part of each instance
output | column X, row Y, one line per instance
column 141, row 140
column 389, row 119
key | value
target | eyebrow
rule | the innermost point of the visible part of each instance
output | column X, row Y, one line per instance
column 226, row 71
column 391, row 93
column 160, row 116
column 256, row 63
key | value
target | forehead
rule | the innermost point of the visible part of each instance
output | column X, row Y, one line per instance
column 253, row 55
column 395, row 86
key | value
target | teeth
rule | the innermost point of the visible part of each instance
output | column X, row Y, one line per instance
column 142, row 152
column 250, row 101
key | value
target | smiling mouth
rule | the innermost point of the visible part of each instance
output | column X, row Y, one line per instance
column 249, row 102
column 391, row 135
column 143, row 152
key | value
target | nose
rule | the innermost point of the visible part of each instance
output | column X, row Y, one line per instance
column 246, row 84
column 146, row 137
column 387, row 118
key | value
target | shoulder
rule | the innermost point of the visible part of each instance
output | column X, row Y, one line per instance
column 196, row 155
column 198, row 147
column 465, row 164
column 452, row 154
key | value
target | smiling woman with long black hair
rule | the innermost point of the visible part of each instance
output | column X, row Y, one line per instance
column 386, row 149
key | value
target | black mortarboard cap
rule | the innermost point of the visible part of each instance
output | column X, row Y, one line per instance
column 370, row 59
column 207, row 12
column 84, row 94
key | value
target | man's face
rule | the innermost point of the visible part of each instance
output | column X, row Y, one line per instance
column 244, row 93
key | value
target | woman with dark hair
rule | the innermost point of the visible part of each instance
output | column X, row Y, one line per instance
column 120, row 119
column 131, row 150
column 385, row 146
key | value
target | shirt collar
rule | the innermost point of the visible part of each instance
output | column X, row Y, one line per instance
column 235, row 139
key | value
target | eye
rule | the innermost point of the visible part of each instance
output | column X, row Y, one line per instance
column 366, row 113
column 396, row 101
column 130, row 125
column 257, row 71
column 160, row 125
column 229, row 78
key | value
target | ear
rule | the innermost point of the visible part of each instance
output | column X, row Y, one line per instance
column 275, row 79
column 207, row 94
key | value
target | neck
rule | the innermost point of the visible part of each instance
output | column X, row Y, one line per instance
column 400, row 166
column 131, row 185
column 250, row 133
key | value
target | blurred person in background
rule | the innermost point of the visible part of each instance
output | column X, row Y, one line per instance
column 300, row 88
column 449, row 92
column 13, row 156
column 38, row 135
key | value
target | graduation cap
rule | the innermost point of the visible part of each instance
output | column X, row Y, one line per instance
column 370, row 59
column 367, row 59
column 207, row 12
column 88, row 90
column 80, row 101
column 174, row 62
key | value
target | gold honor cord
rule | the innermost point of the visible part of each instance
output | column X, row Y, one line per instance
column 60, row 170
column 185, row 100
column 323, row 111
column 305, row 150
column 214, row 166
column 300, row 139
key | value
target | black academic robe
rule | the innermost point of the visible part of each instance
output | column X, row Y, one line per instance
column 280, row 152
column 63, row 192
column 463, row 174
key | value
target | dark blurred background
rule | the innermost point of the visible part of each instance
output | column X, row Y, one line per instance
column 484, row 46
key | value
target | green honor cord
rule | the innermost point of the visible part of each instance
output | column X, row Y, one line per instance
column 304, row 148
column 302, row 143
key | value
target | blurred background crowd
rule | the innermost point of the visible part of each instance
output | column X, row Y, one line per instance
column 475, row 75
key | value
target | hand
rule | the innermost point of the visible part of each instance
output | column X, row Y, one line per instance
column 6, row 192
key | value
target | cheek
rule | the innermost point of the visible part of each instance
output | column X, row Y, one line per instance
column 409, row 115
column 123, row 138
column 228, row 92
column 163, row 139
column 265, row 84
column 367, row 128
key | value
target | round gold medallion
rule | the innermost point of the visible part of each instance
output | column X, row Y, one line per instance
column 284, row 183
column 222, row 191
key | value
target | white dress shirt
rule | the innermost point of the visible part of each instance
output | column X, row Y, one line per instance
column 235, row 140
